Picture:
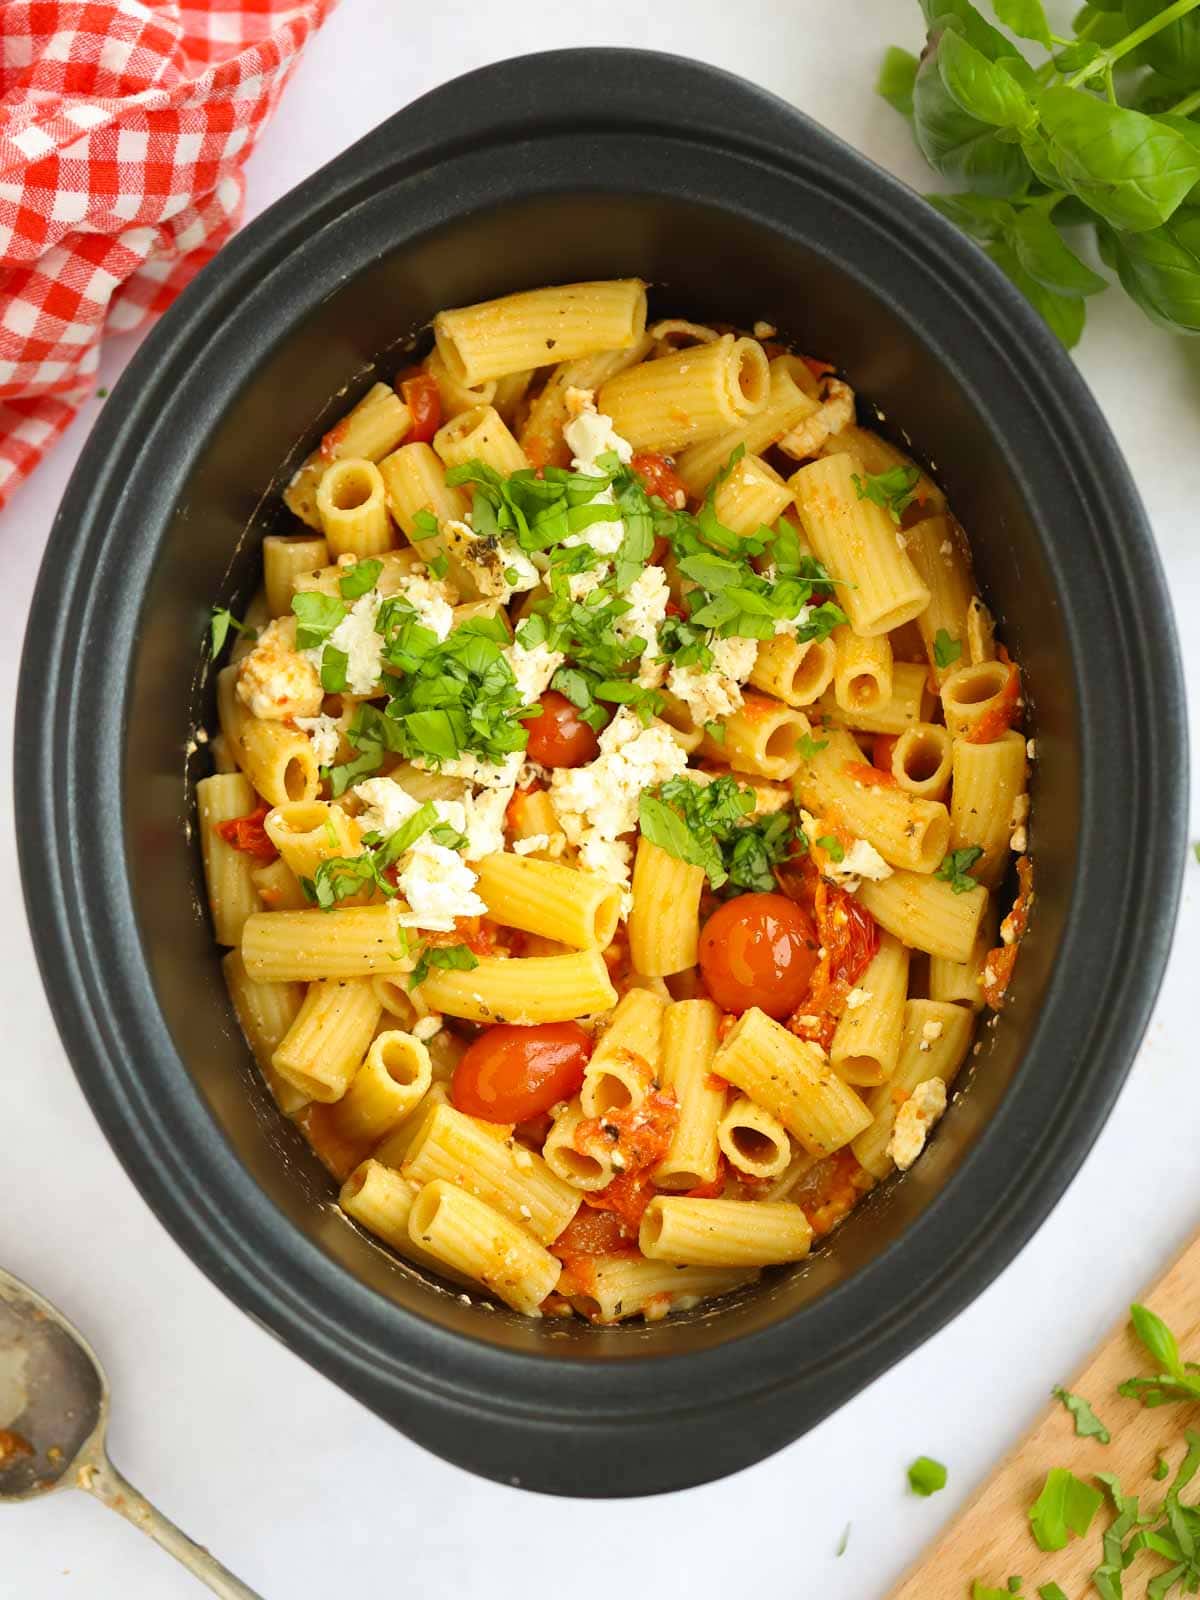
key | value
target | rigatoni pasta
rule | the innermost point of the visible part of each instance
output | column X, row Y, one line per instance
column 606, row 834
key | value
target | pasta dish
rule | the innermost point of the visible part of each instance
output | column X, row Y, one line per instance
column 616, row 783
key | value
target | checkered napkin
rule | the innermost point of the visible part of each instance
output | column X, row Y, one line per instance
column 123, row 128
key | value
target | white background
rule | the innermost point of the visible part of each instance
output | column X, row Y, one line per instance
column 298, row 1488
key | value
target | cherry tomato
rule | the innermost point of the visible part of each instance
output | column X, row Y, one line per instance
column 660, row 477
column 759, row 950
column 558, row 737
column 424, row 399
column 511, row 1074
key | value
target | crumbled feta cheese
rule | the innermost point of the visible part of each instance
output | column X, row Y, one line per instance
column 857, row 998
column 484, row 824
column 914, row 1120
column 647, row 598
column 439, row 887
column 1019, row 840
column 532, row 668
column 429, row 599
column 355, row 635
column 591, row 434
column 535, row 841
column 425, row 1027
column 765, row 330
column 597, row 804
column 901, row 541
column 389, row 805
column 861, row 860
column 487, row 774
column 581, row 584
column 1020, row 810
column 946, row 548
column 275, row 681
column 498, row 566
column 715, row 693
column 932, row 1031
column 1031, row 749
column 325, row 734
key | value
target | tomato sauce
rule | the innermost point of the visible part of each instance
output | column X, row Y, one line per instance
column 658, row 474
column 998, row 719
column 849, row 937
column 873, row 776
column 642, row 1137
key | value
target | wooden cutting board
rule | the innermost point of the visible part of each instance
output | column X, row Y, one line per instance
column 991, row 1539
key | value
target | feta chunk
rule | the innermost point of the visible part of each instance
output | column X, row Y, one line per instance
column 717, row 692
column 598, row 804
column 429, row 599
column 860, row 861
column 439, row 888
column 498, row 567
column 484, row 822
column 647, row 598
column 389, row 805
column 914, row 1120
column 425, row 1027
column 275, row 681
column 532, row 668
column 355, row 635
column 857, row 998
column 527, row 846
column 325, row 734
column 590, row 434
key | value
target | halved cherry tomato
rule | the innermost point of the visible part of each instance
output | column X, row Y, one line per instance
column 557, row 735
column 511, row 1074
column 424, row 399
column 759, row 950
column 248, row 835
column 660, row 477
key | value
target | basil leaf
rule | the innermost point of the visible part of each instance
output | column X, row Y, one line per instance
column 982, row 87
column 220, row 622
column 361, row 578
column 926, row 1476
column 433, row 734
column 955, row 868
column 893, row 490
column 447, row 957
column 988, row 1591
column 1026, row 18
column 1131, row 169
column 1065, row 1506
column 1087, row 1423
column 1051, row 1591
column 1160, row 269
column 1064, row 315
column 668, row 830
column 986, row 39
column 983, row 218
column 1043, row 255
column 808, row 746
column 1157, row 1338
column 1174, row 50
column 317, row 615
column 897, row 75
column 334, row 663
column 959, row 146
column 946, row 650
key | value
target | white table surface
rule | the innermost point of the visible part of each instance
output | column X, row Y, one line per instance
column 296, row 1486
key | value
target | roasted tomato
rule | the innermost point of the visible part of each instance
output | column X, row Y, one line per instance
column 557, row 736
column 249, row 835
column 660, row 477
column 759, row 950
column 511, row 1074
column 424, row 399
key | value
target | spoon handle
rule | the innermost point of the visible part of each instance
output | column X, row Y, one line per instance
column 101, row 1478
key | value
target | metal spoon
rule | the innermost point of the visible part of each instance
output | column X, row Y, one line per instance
column 53, row 1419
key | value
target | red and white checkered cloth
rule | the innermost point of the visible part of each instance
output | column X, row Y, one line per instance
column 123, row 128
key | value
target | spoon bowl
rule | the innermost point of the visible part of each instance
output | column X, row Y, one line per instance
column 54, row 1402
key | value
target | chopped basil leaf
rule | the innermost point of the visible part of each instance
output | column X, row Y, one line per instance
column 987, row 1591
column 693, row 821
column 715, row 731
column 1065, row 1506
column 926, row 1476
column 844, row 1540
column 893, row 490
column 1162, row 1469
column 220, row 623
column 1087, row 1423
column 832, row 847
column 1175, row 1379
column 317, row 615
column 425, row 524
column 338, row 877
column 439, row 565
column 955, row 868
column 808, row 746
column 359, row 579
column 449, row 957
column 946, row 650
column 1051, row 1591
column 756, row 849
column 444, row 834
column 333, row 670
column 1014, row 1585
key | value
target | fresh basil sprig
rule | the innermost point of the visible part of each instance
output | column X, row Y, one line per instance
column 1103, row 131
